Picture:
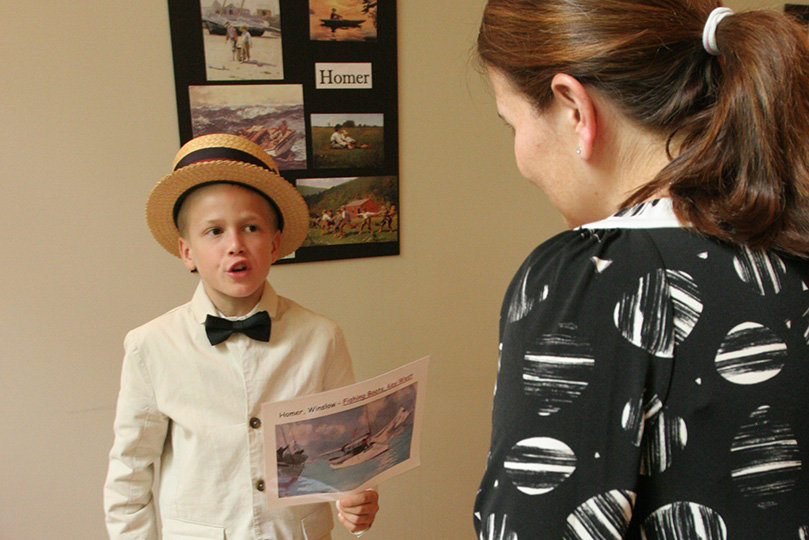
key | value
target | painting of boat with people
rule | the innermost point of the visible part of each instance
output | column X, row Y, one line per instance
column 276, row 140
column 271, row 116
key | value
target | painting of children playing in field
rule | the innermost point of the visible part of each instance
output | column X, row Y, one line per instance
column 351, row 210
column 350, row 141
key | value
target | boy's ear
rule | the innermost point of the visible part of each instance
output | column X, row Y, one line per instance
column 185, row 254
column 578, row 102
column 276, row 247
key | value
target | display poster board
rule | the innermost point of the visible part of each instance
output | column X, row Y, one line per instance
column 314, row 82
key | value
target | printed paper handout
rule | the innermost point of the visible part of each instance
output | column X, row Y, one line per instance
column 342, row 441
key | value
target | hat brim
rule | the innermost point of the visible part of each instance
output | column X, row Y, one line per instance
column 287, row 199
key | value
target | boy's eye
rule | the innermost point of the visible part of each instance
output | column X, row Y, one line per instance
column 251, row 228
column 213, row 231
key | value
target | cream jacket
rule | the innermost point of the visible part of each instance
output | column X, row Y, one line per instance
column 185, row 408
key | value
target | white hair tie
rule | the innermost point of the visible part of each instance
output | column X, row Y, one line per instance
column 709, row 32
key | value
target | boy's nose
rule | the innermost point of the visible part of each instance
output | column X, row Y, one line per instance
column 236, row 244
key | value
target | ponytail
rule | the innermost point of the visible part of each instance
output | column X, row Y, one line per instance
column 742, row 171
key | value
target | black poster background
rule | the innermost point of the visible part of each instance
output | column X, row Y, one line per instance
column 300, row 53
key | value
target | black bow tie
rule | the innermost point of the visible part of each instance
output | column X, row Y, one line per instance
column 256, row 327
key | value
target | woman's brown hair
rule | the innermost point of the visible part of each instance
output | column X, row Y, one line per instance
column 741, row 172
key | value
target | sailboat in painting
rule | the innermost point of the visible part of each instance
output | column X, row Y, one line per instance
column 369, row 445
column 290, row 457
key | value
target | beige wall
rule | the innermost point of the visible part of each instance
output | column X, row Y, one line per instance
column 88, row 123
column 88, row 120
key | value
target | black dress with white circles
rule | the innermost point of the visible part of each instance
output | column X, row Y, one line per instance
column 652, row 384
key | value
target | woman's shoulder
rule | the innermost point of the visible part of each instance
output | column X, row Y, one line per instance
column 606, row 255
column 633, row 236
column 645, row 249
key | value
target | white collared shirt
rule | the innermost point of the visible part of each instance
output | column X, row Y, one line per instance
column 188, row 406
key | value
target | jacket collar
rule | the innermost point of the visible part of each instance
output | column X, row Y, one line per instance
column 655, row 214
column 201, row 305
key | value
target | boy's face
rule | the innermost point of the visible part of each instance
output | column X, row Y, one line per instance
column 229, row 236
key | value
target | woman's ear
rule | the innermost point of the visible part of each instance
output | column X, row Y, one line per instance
column 570, row 94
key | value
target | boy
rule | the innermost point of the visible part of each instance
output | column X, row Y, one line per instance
column 193, row 381
column 244, row 44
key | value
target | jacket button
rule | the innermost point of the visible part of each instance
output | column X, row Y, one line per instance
column 260, row 485
column 255, row 423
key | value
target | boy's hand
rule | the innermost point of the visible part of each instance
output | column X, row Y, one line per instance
column 357, row 512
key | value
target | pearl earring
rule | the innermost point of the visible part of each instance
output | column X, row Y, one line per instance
column 578, row 149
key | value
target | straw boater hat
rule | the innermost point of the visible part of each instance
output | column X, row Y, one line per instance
column 223, row 158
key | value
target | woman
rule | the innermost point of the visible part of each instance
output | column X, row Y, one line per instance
column 654, row 367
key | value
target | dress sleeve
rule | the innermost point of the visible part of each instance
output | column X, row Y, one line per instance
column 587, row 338
column 140, row 433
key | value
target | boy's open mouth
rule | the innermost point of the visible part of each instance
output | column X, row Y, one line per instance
column 241, row 267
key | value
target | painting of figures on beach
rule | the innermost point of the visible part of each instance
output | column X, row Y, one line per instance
column 341, row 451
column 351, row 141
column 356, row 210
column 269, row 115
column 342, row 20
column 242, row 40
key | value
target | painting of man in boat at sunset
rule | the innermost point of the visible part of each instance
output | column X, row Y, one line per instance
column 342, row 20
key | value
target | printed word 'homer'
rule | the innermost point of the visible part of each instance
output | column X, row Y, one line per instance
column 343, row 76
